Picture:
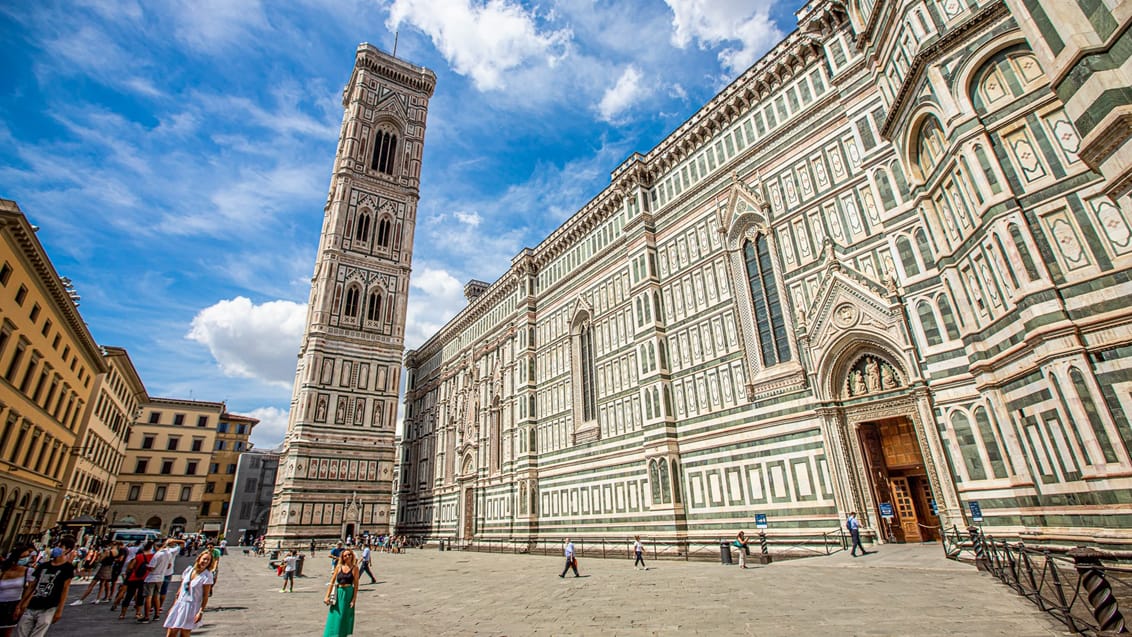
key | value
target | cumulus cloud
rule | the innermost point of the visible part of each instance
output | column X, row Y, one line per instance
column 435, row 298
column 482, row 40
column 468, row 218
column 272, row 426
column 622, row 95
column 252, row 341
column 746, row 27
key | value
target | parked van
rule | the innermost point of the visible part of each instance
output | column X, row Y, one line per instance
column 129, row 536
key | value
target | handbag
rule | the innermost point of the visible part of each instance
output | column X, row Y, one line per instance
column 279, row 571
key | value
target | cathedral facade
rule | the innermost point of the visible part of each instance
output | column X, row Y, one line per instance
column 335, row 475
column 882, row 271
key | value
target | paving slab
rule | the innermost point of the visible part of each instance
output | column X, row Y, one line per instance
column 902, row 591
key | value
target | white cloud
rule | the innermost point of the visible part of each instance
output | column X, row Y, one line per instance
column 272, row 426
column 468, row 218
column 622, row 95
column 252, row 341
column 209, row 25
column 482, row 40
column 437, row 296
column 717, row 22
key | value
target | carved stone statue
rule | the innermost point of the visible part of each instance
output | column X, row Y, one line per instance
column 872, row 374
column 857, row 383
column 887, row 377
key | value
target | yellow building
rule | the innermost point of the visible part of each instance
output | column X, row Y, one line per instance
column 232, row 433
column 94, row 463
column 48, row 364
column 162, row 481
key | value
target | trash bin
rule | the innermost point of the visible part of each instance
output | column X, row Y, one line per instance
column 440, row 546
column 299, row 566
column 725, row 553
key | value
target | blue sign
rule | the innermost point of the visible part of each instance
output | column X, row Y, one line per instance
column 935, row 509
column 760, row 521
column 886, row 510
column 976, row 511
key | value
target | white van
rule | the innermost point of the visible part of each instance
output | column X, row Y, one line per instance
column 129, row 536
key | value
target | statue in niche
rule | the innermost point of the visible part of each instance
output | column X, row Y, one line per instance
column 360, row 412
column 887, row 377
column 857, row 383
column 872, row 374
column 340, row 414
column 320, row 412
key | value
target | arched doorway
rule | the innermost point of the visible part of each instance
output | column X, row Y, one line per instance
column 153, row 523
column 177, row 526
column 468, row 495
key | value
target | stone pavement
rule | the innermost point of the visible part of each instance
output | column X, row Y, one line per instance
column 898, row 591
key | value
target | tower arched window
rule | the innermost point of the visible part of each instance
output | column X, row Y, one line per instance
column 384, row 228
column 586, row 362
column 384, row 152
column 767, row 304
column 352, row 299
column 373, row 307
column 362, row 231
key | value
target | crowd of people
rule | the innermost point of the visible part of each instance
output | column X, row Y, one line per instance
column 35, row 582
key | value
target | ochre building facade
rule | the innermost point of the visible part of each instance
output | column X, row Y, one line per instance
column 336, row 469
column 885, row 268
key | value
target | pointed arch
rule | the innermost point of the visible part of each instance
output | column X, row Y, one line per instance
column 766, row 301
column 353, row 300
column 361, row 231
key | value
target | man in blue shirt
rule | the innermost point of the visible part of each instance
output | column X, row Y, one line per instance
column 571, row 562
column 854, row 527
column 366, row 555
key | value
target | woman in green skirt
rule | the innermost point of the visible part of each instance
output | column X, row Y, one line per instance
column 340, row 597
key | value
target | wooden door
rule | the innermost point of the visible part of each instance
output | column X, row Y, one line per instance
column 905, row 509
column 877, row 469
column 922, row 492
column 469, row 514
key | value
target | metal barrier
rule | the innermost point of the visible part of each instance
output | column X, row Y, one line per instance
column 702, row 549
column 1083, row 587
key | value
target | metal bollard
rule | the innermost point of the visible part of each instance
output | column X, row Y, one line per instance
column 764, row 557
column 978, row 548
column 1098, row 591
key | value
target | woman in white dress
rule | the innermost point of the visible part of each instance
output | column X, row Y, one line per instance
column 192, row 597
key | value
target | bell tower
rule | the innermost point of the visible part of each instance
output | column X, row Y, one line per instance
column 336, row 472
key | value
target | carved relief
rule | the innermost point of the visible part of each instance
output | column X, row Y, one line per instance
column 869, row 375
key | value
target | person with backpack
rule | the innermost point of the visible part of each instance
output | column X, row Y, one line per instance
column 43, row 601
column 136, row 571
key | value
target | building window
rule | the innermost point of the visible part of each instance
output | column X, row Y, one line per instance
column 213, row 468
column 154, row 417
column 5, row 273
column 585, row 370
column 186, row 494
column 142, row 465
column 166, row 467
column 231, row 469
column 178, row 419
column 147, row 441
column 47, row 328
column 159, row 494
column 135, row 492
column 352, row 295
column 34, row 315
column 241, row 429
column 239, row 446
column 384, row 152
column 202, row 421
column 21, row 295
column 219, row 445
column 191, row 468
column 227, row 487
column 251, row 485
column 173, row 443
column 223, row 508
column 197, row 444
column 204, row 506
column 222, row 427
column 373, row 308
column 383, row 232
column 767, row 307
column 210, row 487
column 362, row 231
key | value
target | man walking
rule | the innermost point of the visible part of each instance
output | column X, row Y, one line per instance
column 854, row 527
column 365, row 565
column 639, row 551
column 571, row 561
column 289, row 572
column 42, row 603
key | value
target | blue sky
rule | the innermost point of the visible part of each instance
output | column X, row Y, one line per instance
column 176, row 154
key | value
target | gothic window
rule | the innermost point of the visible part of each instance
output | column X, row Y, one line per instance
column 362, row 231
column 654, row 481
column 929, row 146
column 948, row 317
column 968, row 446
column 923, row 246
column 352, row 297
column 665, row 488
column 584, row 369
column 373, row 307
column 766, row 303
column 384, row 151
column 904, row 249
column 384, row 228
column 928, row 323
column 496, row 436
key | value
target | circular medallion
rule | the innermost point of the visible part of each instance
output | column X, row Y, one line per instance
column 845, row 315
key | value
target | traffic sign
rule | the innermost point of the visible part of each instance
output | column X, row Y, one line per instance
column 760, row 521
column 976, row 511
column 886, row 510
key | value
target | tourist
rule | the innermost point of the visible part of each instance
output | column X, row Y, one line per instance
column 741, row 544
column 161, row 562
column 174, row 548
column 42, row 603
column 15, row 574
column 121, row 555
column 215, row 562
column 571, row 561
column 312, row 548
column 136, row 570
column 289, row 571
column 366, row 554
column 104, row 560
column 334, row 553
column 192, row 597
column 340, row 597
column 639, row 551
column 854, row 527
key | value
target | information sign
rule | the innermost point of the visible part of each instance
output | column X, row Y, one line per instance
column 976, row 511
column 760, row 521
column 886, row 510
